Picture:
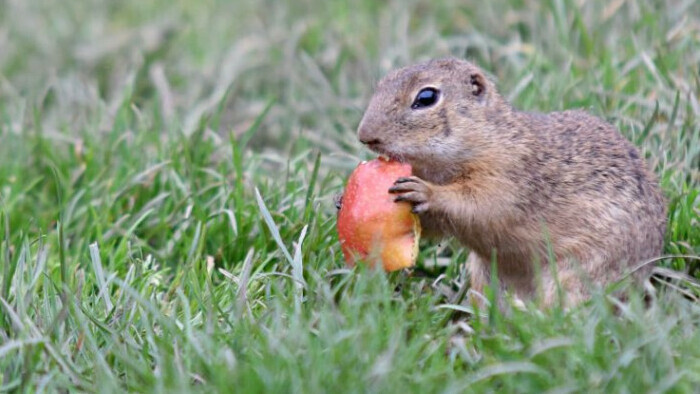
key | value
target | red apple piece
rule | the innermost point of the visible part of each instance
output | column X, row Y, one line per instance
column 372, row 227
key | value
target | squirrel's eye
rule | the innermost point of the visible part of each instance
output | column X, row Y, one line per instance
column 425, row 98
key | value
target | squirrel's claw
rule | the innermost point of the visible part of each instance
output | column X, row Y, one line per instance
column 338, row 201
column 405, row 184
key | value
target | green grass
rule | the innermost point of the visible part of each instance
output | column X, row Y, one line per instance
column 136, row 254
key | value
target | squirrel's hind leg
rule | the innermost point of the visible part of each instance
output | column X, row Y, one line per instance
column 568, row 288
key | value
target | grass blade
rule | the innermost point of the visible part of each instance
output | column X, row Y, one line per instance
column 99, row 274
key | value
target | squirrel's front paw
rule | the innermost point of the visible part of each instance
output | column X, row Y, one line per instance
column 414, row 190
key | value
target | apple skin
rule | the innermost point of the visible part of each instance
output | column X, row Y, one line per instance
column 372, row 228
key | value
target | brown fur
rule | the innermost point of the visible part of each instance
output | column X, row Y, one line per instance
column 519, row 186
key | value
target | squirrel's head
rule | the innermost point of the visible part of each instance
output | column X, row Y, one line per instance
column 443, row 110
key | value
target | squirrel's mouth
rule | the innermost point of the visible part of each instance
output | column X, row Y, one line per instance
column 386, row 154
column 374, row 145
column 377, row 146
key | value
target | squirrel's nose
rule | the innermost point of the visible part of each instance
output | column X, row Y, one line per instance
column 365, row 136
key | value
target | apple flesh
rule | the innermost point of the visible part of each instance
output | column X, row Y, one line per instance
column 372, row 228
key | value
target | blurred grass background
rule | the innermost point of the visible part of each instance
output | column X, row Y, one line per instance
column 136, row 256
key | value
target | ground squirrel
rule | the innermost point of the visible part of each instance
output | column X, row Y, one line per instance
column 526, row 189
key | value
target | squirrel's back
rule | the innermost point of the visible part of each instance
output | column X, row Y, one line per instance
column 583, row 173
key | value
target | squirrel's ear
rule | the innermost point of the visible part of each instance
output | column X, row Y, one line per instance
column 477, row 83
